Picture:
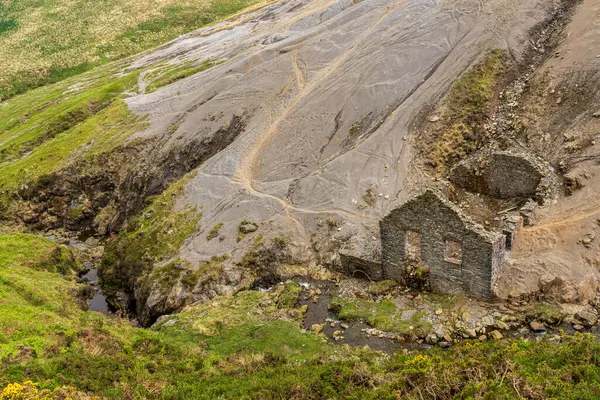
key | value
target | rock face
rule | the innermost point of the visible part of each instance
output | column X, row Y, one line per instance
column 461, row 256
column 503, row 175
column 561, row 289
column 362, row 256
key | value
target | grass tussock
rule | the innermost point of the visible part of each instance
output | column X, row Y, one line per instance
column 214, row 232
column 464, row 113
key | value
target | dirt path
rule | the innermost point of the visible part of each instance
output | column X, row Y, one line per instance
column 250, row 162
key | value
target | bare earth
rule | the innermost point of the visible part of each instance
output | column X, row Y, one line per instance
column 330, row 92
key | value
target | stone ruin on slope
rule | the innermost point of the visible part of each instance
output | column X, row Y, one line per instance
column 433, row 236
column 459, row 256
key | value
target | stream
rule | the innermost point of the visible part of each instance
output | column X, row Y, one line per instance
column 98, row 301
column 353, row 333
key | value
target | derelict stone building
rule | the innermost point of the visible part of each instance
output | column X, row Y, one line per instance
column 461, row 255
column 501, row 174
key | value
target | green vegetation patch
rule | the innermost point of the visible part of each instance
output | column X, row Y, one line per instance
column 252, row 321
column 290, row 296
column 175, row 74
column 214, row 232
column 382, row 287
column 42, row 135
column 467, row 108
column 384, row 315
column 33, row 297
column 156, row 234
column 249, row 345
column 46, row 41
column 63, row 114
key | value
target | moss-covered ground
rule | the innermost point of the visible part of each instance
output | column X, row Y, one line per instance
column 384, row 315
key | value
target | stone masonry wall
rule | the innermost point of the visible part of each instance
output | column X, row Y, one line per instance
column 500, row 174
column 436, row 220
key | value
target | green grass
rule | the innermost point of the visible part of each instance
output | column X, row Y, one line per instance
column 214, row 232
column 153, row 236
column 33, row 297
column 384, row 315
column 57, row 118
column 173, row 74
column 46, row 129
column 248, row 346
column 46, row 41
column 466, row 109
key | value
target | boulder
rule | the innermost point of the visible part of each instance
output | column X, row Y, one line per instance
column 537, row 326
column 496, row 335
column 248, row 227
column 588, row 318
column 502, row 174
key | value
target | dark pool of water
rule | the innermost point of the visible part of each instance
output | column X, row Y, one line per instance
column 98, row 301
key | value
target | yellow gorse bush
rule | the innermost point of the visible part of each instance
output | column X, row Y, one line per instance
column 25, row 391
column 30, row 391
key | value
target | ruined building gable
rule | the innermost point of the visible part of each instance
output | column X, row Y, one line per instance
column 460, row 254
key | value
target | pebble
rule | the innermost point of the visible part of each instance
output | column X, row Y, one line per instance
column 537, row 326
column 470, row 333
column 432, row 338
column 502, row 325
column 578, row 327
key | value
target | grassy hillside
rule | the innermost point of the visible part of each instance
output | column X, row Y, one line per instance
column 44, row 41
column 245, row 346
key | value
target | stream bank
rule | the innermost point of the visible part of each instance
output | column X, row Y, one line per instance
column 346, row 314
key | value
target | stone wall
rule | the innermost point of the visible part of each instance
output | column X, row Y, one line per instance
column 500, row 174
column 360, row 257
column 437, row 220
